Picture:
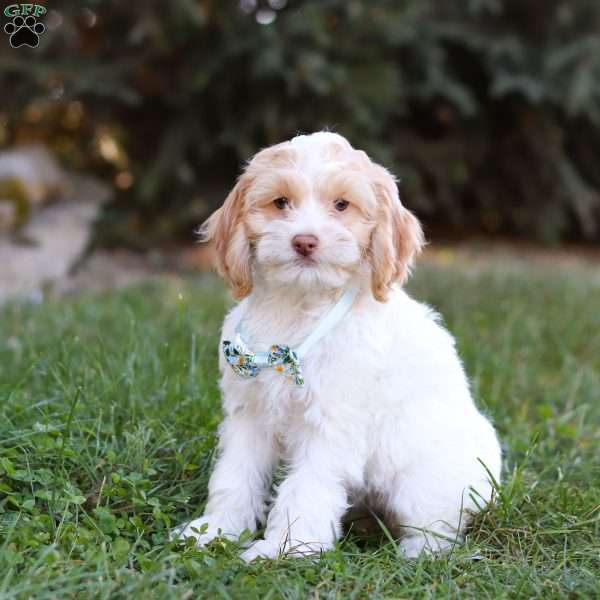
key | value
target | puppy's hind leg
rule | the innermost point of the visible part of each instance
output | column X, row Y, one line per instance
column 431, row 508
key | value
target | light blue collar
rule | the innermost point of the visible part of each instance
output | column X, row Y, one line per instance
column 248, row 364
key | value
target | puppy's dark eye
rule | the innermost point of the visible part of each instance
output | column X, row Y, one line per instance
column 281, row 203
column 341, row 204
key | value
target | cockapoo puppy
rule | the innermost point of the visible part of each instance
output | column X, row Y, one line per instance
column 378, row 411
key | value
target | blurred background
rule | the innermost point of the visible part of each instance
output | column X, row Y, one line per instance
column 124, row 128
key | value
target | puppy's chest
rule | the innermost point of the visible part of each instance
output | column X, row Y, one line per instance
column 330, row 377
column 337, row 370
column 281, row 406
column 275, row 395
column 280, row 400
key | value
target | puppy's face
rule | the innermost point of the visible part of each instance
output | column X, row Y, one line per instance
column 310, row 213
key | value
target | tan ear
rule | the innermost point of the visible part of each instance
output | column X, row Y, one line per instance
column 225, row 228
column 396, row 239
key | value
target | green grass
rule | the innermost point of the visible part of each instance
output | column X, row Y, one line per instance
column 108, row 413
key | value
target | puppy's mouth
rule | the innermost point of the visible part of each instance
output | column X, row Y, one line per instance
column 306, row 261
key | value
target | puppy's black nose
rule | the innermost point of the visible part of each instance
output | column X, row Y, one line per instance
column 305, row 244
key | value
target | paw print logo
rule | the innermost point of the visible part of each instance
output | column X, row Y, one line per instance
column 24, row 31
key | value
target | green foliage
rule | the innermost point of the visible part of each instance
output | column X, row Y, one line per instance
column 108, row 416
column 489, row 110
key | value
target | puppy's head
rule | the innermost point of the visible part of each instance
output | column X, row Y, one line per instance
column 314, row 212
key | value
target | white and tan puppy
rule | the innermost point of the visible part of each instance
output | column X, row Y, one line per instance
column 385, row 416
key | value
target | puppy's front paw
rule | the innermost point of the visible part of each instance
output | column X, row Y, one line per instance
column 268, row 549
column 201, row 529
column 261, row 549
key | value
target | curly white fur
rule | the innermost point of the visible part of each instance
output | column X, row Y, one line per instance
column 386, row 418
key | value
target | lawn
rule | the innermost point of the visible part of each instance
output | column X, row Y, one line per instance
column 108, row 413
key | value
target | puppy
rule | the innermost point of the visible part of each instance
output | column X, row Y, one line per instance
column 382, row 414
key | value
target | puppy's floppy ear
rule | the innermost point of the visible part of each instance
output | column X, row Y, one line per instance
column 396, row 239
column 225, row 228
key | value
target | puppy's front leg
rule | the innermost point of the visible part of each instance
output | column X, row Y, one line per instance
column 306, row 517
column 239, row 484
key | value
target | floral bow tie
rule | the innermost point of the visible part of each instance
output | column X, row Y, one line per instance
column 248, row 364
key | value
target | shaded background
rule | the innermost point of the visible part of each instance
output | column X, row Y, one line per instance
column 488, row 110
